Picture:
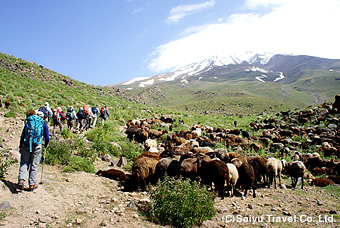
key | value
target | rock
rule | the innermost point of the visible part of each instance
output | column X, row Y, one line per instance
column 332, row 127
column 122, row 162
column 132, row 205
column 209, row 223
column 287, row 213
column 86, row 210
column 45, row 219
column 106, row 157
column 79, row 220
column 104, row 223
column 222, row 209
column 5, row 205
column 250, row 206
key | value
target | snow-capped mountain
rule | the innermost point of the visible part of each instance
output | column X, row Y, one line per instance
column 184, row 73
column 263, row 67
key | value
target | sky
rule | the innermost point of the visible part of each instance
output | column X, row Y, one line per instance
column 112, row 41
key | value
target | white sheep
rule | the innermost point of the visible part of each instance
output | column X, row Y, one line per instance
column 233, row 177
column 150, row 143
column 274, row 169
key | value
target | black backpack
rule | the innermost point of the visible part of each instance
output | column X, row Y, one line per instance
column 81, row 114
column 94, row 110
column 44, row 111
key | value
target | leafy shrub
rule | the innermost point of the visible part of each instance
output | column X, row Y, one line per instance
column 180, row 203
column 77, row 163
column 58, row 153
column 66, row 134
column 5, row 162
column 10, row 114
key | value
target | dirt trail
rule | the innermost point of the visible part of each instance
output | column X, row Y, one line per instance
column 84, row 200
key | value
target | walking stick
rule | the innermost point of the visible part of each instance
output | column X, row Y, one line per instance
column 42, row 169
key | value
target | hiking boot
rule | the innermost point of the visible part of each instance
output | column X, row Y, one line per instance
column 33, row 187
column 21, row 184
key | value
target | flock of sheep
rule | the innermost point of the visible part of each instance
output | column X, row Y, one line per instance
column 189, row 153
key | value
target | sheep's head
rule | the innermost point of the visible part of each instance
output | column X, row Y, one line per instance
column 99, row 173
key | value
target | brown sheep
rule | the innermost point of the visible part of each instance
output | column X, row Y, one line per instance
column 113, row 174
column 214, row 171
column 7, row 103
column 237, row 155
column 334, row 178
column 318, row 171
column 321, row 182
column 143, row 170
column 295, row 170
column 153, row 155
column 336, row 104
column 246, row 178
column 262, row 167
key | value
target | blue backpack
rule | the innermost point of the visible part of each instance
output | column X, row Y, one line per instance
column 45, row 111
column 33, row 131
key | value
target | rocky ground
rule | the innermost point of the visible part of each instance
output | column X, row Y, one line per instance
column 85, row 200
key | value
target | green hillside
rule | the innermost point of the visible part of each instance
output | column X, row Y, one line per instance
column 234, row 91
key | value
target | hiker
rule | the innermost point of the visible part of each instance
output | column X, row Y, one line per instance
column 47, row 111
column 57, row 118
column 71, row 115
column 30, row 148
column 80, row 119
column 104, row 113
column 88, row 116
column 95, row 112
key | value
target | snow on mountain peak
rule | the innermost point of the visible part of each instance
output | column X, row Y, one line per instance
column 206, row 65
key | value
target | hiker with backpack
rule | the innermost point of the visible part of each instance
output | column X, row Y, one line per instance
column 95, row 112
column 71, row 115
column 30, row 148
column 104, row 113
column 88, row 116
column 47, row 112
column 80, row 119
column 57, row 118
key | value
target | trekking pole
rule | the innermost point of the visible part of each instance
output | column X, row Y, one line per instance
column 42, row 169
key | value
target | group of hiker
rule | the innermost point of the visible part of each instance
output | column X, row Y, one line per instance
column 85, row 118
column 36, row 131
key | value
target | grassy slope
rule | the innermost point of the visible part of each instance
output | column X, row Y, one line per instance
column 306, row 83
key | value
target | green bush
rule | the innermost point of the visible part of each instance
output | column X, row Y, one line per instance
column 5, row 162
column 66, row 134
column 10, row 114
column 58, row 153
column 180, row 203
column 79, row 164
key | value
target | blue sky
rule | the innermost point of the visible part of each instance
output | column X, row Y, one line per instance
column 111, row 41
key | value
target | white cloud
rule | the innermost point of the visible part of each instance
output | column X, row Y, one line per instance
column 137, row 10
column 179, row 12
column 301, row 27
